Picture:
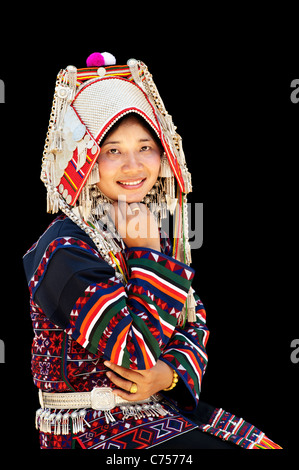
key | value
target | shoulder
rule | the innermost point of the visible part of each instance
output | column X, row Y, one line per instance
column 62, row 232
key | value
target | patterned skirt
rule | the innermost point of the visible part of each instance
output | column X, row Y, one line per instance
column 207, row 428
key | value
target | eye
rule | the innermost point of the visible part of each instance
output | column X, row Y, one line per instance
column 113, row 151
column 145, row 148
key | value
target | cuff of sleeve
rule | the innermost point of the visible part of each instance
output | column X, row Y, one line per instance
column 159, row 261
column 184, row 401
column 160, row 273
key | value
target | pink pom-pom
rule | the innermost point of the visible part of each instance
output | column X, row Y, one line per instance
column 95, row 60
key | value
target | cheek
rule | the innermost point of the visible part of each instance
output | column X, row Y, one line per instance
column 154, row 166
column 107, row 169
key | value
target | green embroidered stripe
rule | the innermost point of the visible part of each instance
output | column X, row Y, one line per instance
column 149, row 339
column 104, row 321
column 162, row 313
column 161, row 271
column 183, row 361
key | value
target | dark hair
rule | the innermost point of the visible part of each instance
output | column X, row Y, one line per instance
column 142, row 121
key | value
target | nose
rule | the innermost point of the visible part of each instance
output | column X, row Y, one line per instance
column 132, row 163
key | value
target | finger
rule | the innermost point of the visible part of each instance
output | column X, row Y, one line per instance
column 119, row 381
column 121, row 208
column 135, row 208
column 143, row 208
column 123, row 372
column 129, row 396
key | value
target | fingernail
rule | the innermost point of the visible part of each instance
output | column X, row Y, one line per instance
column 107, row 363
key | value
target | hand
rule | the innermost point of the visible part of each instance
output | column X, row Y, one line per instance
column 136, row 225
column 148, row 381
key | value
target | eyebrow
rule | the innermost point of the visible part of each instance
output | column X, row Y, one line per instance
column 119, row 141
column 111, row 142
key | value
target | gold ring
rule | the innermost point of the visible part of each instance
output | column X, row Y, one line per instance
column 133, row 388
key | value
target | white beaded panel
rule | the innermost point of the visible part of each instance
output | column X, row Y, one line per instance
column 96, row 110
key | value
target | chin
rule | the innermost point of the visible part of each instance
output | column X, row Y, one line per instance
column 130, row 198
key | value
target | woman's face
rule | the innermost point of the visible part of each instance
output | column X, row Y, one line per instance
column 129, row 162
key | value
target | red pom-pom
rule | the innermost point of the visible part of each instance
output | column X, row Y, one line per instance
column 95, row 60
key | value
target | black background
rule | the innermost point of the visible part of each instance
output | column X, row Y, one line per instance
column 226, row 81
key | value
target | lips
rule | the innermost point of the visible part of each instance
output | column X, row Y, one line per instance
column 131, row 184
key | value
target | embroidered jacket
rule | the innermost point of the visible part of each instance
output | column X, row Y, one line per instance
column 82, row 314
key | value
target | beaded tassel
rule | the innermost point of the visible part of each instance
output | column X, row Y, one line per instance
column 169, row 184
column 72, row 79
column 63, row 423
column 188, row 312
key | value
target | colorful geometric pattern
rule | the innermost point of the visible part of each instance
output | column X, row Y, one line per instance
column 130, row 433
column 57, row 362
column 111, row 71
column 148, row 307
column 188, row 346
column 73, row 180
column 230, row 428
column 134, row 434
column 131, row 325
column 143, row 307
column 62, row 242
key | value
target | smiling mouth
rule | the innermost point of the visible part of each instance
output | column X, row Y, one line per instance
column 131, row 184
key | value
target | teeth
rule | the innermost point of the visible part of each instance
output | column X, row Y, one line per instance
column 130, row 183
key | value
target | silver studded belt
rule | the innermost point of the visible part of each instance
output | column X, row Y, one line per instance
column 100, row 399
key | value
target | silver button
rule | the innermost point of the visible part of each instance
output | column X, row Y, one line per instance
column 79, row 132
column 101, row 72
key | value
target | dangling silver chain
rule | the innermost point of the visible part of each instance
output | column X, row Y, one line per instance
column 105, row 245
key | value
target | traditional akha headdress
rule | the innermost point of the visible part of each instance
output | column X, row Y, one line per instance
column 87, row 103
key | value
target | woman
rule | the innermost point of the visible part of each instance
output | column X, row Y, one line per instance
column 119, row 349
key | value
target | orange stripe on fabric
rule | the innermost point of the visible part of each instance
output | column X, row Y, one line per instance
column 167, row 290
column 93, row 311
column 195, row 363
column 117, row 347
column 167, row 331
column 148, row 307
column 147, row 360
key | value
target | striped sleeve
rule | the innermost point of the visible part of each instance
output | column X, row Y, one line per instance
column 78, row 291
column 186, row 353
column 131, row 325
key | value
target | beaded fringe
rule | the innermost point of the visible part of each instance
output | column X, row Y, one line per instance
column 66, row 422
